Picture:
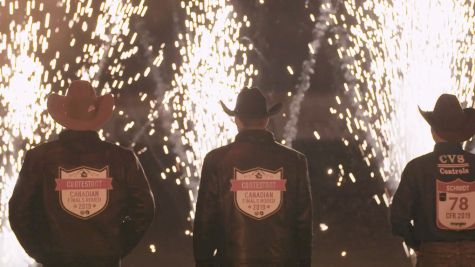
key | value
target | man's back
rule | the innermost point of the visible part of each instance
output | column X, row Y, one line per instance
column 432, row 208
column 429, row 194
column 254, row 204
column 79, row 198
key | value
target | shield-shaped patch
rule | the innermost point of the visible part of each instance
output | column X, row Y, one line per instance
column 258, row 192
column 454, row 204
column 84, row 191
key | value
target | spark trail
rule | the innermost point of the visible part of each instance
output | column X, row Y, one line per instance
column 319, row 30
column 214, row 67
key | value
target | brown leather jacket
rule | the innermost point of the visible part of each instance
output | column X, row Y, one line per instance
column 254, row 205
column 80, row 201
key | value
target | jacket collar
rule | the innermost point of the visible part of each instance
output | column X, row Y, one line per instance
column 447, row 147
column 74, row 136
column 255, row 136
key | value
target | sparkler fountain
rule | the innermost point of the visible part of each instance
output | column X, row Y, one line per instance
column 405, row 54
column 24, row 74
column 214, row 67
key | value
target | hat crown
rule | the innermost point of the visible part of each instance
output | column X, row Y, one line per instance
column 448, row 111
column 81, row 90
column 81, row 98
column 251, row 102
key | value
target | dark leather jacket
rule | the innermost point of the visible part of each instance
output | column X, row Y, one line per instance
column 431, row 193
column 80, row 201
column 254, row 205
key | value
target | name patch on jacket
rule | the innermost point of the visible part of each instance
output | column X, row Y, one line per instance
column 84, row 191
column 453, row 164
column 258, row 192
column 455, row 205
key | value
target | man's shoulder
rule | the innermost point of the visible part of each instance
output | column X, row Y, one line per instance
column 469, row 154
column 420, row 160
column 290, row 151
column 51, row 146
column 115, row 147
column 118, row 150
column 42, row 147
column 218, row 152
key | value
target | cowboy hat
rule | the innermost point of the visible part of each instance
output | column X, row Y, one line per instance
column 251, row 103
column 80, row 109
column 449, row 120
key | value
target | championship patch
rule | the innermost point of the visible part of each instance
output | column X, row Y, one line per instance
column 84, row 191
column 258, row 192
column 455, row 205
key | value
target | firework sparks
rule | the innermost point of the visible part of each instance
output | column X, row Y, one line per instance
column 406, row 54
column 214, row 68
column 19, row 78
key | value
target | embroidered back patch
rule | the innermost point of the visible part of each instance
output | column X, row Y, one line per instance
column 84, row 191
column 455, row 205
column 258, row 192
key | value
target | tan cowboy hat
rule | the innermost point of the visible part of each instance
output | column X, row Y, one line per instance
column 449, row 120
column 81, row 109
column 251, row 103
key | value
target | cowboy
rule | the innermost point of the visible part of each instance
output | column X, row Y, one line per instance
column 80, row 201
column 434, row 206
column 254, row 203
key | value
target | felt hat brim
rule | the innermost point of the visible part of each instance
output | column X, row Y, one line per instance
column 270, row 112
column 457, row 133
column 56, row 106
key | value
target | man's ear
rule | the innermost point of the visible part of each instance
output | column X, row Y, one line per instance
column 238, row 123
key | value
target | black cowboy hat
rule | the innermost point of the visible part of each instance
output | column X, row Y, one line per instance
column 449, row 120
column 251, row 103
column 80, row 109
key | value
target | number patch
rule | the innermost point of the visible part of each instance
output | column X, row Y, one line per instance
column 455, row 205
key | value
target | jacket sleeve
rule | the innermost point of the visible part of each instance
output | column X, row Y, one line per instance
column 205, row 236
column 402, row 208
column 304, row 216
column 22, row 209
column 140, row 206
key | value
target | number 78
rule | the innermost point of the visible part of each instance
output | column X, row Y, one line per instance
column 462, row 202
